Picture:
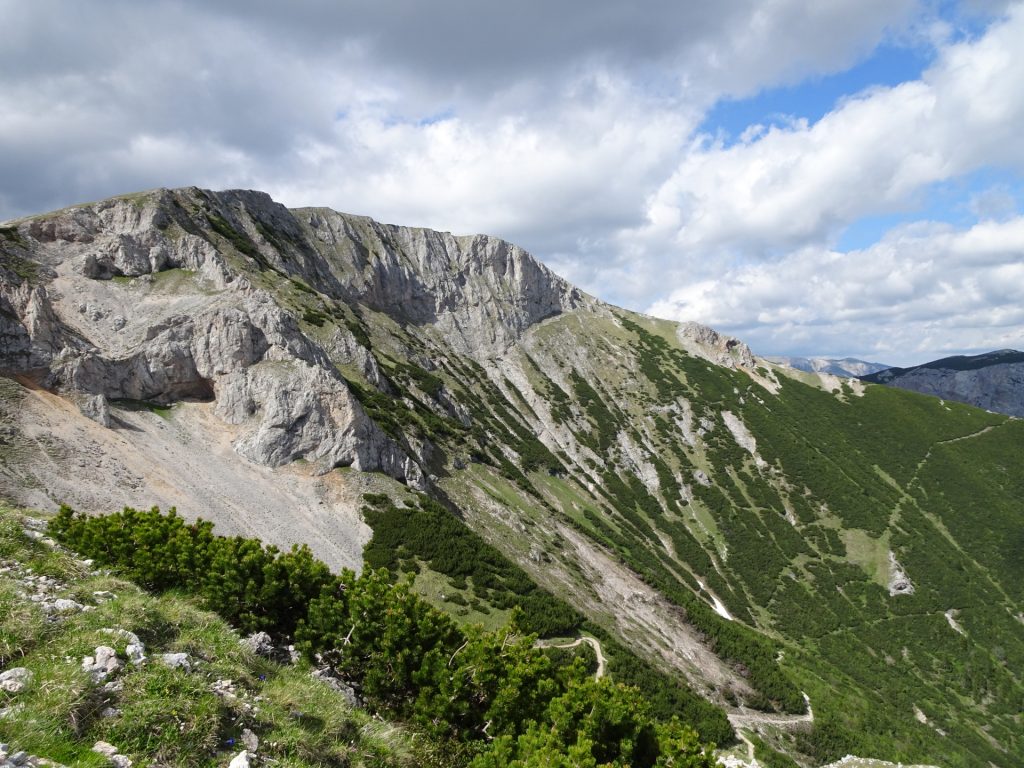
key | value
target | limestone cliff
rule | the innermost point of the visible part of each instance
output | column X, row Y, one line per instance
column 73, row 323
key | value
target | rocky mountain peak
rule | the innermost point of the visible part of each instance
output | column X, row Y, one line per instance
column 191, row 294
column 481, row 292
column 845, row 366
column 715, row 347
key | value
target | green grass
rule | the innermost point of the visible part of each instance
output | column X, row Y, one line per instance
column 461, row 603
column 165, row 412
column 11, row 235
column 20, row 266
column 427, row 533
column 167, row 716
column 173, row 281
column 137, row 199
column 869, row 552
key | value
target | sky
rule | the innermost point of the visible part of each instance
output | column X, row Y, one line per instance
column 815, row 177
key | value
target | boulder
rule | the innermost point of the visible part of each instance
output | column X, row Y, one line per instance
column 176, row 661
column 261, row 644
column 15, row 680
column 102, row 663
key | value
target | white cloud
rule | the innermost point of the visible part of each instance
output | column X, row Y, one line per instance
column 566, row 127
column 748, row 231
column 803, row 183
column 921, row 291
column 545, row 183
column 265, row 81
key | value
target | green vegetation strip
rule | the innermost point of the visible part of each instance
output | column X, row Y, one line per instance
column 483, row 699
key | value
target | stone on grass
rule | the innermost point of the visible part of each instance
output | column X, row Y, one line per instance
column 63, row 606
column 261, row 644
column 250, row 740
column 110, row 752
column 177, row 661
column 102, row 663
column 15, row 680
column 134, row 649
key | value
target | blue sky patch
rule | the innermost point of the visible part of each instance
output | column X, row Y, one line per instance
column 814, row 98
column 988, row 193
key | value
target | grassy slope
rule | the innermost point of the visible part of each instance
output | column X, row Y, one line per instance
column 166, row 715
column 808, row 537
column 883, row 468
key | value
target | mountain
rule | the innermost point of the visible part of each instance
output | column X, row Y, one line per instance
column 992, row 380
column 845, row 366
column 834, row 565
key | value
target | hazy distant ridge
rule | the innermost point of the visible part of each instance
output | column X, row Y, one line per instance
column 845, row 366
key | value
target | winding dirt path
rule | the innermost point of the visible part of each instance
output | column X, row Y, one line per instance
column 745, row 718
column 591, row 641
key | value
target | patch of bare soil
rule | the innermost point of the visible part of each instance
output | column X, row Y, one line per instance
column 185, row 460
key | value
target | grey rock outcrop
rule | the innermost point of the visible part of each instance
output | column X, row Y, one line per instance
column 327, row 676
column 134, row 648
column 993, row 381
column 899, row 582
column 250, row 740
column 239, row 347
column 229, row 339
column 102, row 664
column 96, row 408
column 127, row 238
column 480, row 292
column 15, row 680
column 176, row 661
column 113, row 755
column 19, row 758
column 63, row 606
column 261, row 644
column 31, row 334
column 715, row 347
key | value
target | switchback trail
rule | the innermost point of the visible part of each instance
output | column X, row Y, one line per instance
column 592, row 642
column 744, row 718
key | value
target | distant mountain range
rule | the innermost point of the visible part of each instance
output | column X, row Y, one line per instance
column 846, row 366
column 992, row 380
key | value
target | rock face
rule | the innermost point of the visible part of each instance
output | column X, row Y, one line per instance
column 15, row 680
column 102, row 663
column 993, row 381
column 228, row 339
column 717, row 348
column 482, row 293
